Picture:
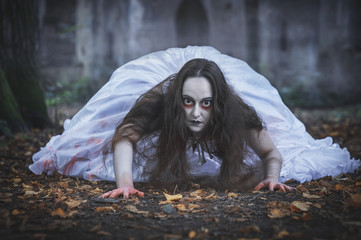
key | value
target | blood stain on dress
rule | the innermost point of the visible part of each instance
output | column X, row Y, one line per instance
column 93, row 140
column 70, row 165
column 47, row 163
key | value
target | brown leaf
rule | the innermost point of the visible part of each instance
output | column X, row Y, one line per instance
column 26, row 186
column 71, row 203
column 58, row 212
column 297, row 206
column 127, row 215
column 181, row 207
column 16, row 180
column 170, row 198
column 211, row 196
column 105, row 209
column 198, row 193
column 234, row 209
column 27, row 193
column 232, row 195
column 306, row 195
column 283, row 234
column 354, row 200
column 64, row 184
column 97, row 190
column 306, row 216
column 318, row 205
column 192, row 234
column 85, row 188
column 15, row 212
column 133, row 209
column 339, row 187
column 278, row 213
column 193, row 206
column 302, row 188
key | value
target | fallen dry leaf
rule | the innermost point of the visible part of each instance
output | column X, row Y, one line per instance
column 170, row 198
column 232, row 195
column 64, row 184
column 303, row 189
column 58, row 212
column 354, row 200
column 71, row 203
column 181, row 207
column 283, row 234
column 27, row 193
column 105, row 209
column 306, row 195
column 306, row 216
column 16, row 180
column 192, row 234
column 198, row 193
column 278, row 213
column 233, row 209
column 338, row 187
column 133, row 209
column 297, row 206
column 317, row 205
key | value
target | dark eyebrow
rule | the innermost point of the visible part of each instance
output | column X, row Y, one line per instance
column 186, row 96
column 204, row 99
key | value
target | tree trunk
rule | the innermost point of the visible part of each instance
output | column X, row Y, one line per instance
column 18, row 45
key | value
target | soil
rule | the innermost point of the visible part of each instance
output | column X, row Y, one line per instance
column 58, row 207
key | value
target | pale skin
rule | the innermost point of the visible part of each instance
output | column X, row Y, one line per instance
column 197, row 100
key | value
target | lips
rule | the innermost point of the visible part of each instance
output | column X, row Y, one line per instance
column 195, row 122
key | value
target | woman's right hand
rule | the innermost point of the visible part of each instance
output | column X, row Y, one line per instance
column 125, row 191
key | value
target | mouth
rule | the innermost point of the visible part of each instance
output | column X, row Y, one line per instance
column 195, row 122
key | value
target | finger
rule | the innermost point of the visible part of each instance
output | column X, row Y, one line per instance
column 271, row 187
column 281, row 187
column 125, row 194
column 259, row 187
column 140, row 194
column 114, row 194
column 105, row 195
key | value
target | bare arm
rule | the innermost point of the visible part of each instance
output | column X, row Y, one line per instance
column 127, row 134
column 122, row 161
column 264, row 147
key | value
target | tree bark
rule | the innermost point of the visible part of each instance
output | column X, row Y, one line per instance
column 18, row 45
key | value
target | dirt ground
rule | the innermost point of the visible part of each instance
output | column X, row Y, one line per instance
column 59, row 207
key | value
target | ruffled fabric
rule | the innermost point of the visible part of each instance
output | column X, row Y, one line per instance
column 78, row 151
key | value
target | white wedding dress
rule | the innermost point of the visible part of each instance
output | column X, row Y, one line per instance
column 78, row 151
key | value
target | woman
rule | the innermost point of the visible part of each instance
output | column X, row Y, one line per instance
column 164, row 126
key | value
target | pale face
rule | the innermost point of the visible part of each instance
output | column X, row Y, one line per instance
column 197, row 102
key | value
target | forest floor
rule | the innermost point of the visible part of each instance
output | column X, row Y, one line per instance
column 59, row 207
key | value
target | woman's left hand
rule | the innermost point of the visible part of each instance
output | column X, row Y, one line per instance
column 272, row 184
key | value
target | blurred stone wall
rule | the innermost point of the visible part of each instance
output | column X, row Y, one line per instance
column 309, row 46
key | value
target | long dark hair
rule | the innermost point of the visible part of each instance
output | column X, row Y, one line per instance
column 161, row 111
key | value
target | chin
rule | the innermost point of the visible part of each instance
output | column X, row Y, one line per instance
column 196, row 130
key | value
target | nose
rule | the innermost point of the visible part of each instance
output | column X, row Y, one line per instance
column 196, row 111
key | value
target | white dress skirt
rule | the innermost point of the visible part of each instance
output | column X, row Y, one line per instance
column 78, row 151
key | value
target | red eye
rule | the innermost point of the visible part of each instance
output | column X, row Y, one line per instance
column 187, row 103
column 206, row 104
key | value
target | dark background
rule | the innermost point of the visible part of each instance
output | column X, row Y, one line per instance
column 310, row 50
